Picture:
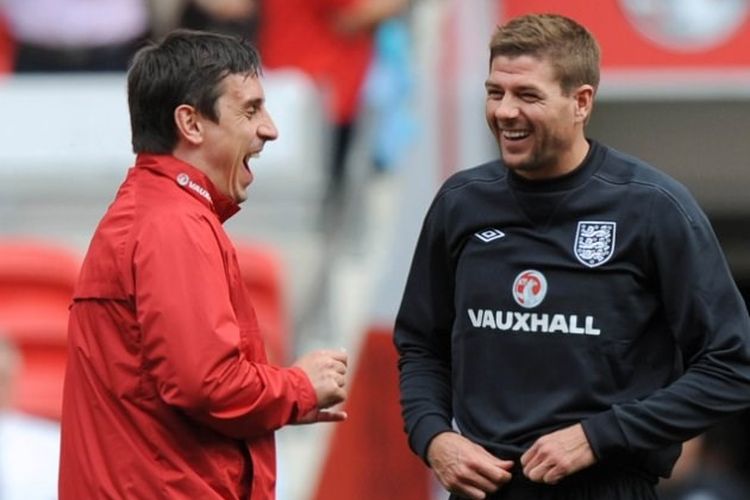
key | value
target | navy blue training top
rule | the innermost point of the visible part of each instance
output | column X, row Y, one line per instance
column 599, row 297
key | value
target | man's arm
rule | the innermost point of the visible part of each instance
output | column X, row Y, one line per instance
column 191, row 339
column 710, row 323
column 422, row 337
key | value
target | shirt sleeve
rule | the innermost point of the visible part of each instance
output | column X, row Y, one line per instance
column 422, row 337
column 191, row 335
column 710, row 324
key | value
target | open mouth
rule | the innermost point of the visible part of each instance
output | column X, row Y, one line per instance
column 247, row 158
column 515, row 135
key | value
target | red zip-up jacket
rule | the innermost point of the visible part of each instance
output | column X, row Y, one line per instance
column 167, row 391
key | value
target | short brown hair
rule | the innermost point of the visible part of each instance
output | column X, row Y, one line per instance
column 186, row 67
column 568, row 46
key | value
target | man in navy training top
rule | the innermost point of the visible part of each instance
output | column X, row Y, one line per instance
column 569, row 318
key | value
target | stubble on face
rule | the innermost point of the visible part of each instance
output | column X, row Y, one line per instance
column 542, row 156
column 529, row 116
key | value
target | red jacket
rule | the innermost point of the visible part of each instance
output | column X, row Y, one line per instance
column 167, row 390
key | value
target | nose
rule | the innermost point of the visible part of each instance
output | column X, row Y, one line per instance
column 507, row 108
column 267, row 129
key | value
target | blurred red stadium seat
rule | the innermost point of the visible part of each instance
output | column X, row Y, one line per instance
column 368, row 456
column 36, row 286
column 262, row 274
column 7, row 47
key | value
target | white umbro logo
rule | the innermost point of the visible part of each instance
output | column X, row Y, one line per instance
column 489, row 234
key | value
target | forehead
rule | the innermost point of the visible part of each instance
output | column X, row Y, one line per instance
column 241, row 88
column 522, row 70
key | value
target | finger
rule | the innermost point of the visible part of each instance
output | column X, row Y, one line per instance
column 528, row 456
column 504, row 464
column 552, row 476
column 331, row 416
column 338, row 396
column 494, row 473
column 341, row 355
column 537, row 473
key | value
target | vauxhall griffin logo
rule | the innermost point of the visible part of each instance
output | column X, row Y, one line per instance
column 184, row 180
column 529, row 288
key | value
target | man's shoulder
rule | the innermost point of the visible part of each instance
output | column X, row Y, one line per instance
column 623, row 168
column 150, row 203
column 639, row 175
column 479, row 175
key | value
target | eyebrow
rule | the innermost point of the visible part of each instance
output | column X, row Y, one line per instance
column 521, row 88
column 253, row 103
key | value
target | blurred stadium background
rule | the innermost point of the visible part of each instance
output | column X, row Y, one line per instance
column 675, row 92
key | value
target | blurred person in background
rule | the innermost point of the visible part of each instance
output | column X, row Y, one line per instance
column 168, row 393
column 332, row 42
column 569, row 318
column 76, row 35
column 232, row 17
column 29, row 446
column 388, row 94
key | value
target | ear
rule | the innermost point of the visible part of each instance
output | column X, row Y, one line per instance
column 584, row 102
column 188, row 123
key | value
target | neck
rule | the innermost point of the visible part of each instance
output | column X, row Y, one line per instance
column 576, row 155
column 193, row 157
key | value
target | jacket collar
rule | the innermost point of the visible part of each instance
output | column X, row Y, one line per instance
column 191, row 180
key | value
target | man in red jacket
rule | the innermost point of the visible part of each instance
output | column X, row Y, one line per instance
column 168, row 393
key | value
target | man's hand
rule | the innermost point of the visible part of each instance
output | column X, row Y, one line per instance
column 557, row 455
column 465, row 468
column 327, row 372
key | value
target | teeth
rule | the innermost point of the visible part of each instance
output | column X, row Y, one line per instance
column 515, row 134
column 250, row 157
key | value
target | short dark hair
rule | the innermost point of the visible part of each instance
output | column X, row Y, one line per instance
column 186, row 67
column 569, row 47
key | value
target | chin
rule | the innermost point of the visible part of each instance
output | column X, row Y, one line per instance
column 517, row 163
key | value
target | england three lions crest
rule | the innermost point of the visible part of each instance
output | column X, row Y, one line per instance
column 595, row 242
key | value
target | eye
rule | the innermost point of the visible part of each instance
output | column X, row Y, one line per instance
column 529, row 97
column 495, row 94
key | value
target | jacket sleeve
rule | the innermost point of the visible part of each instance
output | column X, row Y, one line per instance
column 710, row 323
column 191, row 336
column 422, row 337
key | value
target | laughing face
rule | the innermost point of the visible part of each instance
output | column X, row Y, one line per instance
column 242, row 128
column 538, row 128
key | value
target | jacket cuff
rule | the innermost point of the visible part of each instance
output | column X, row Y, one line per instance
column 604, row 434
column 423, row 433
column 307, row 400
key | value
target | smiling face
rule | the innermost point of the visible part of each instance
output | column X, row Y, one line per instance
column 242, row 128
column 538, row 128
